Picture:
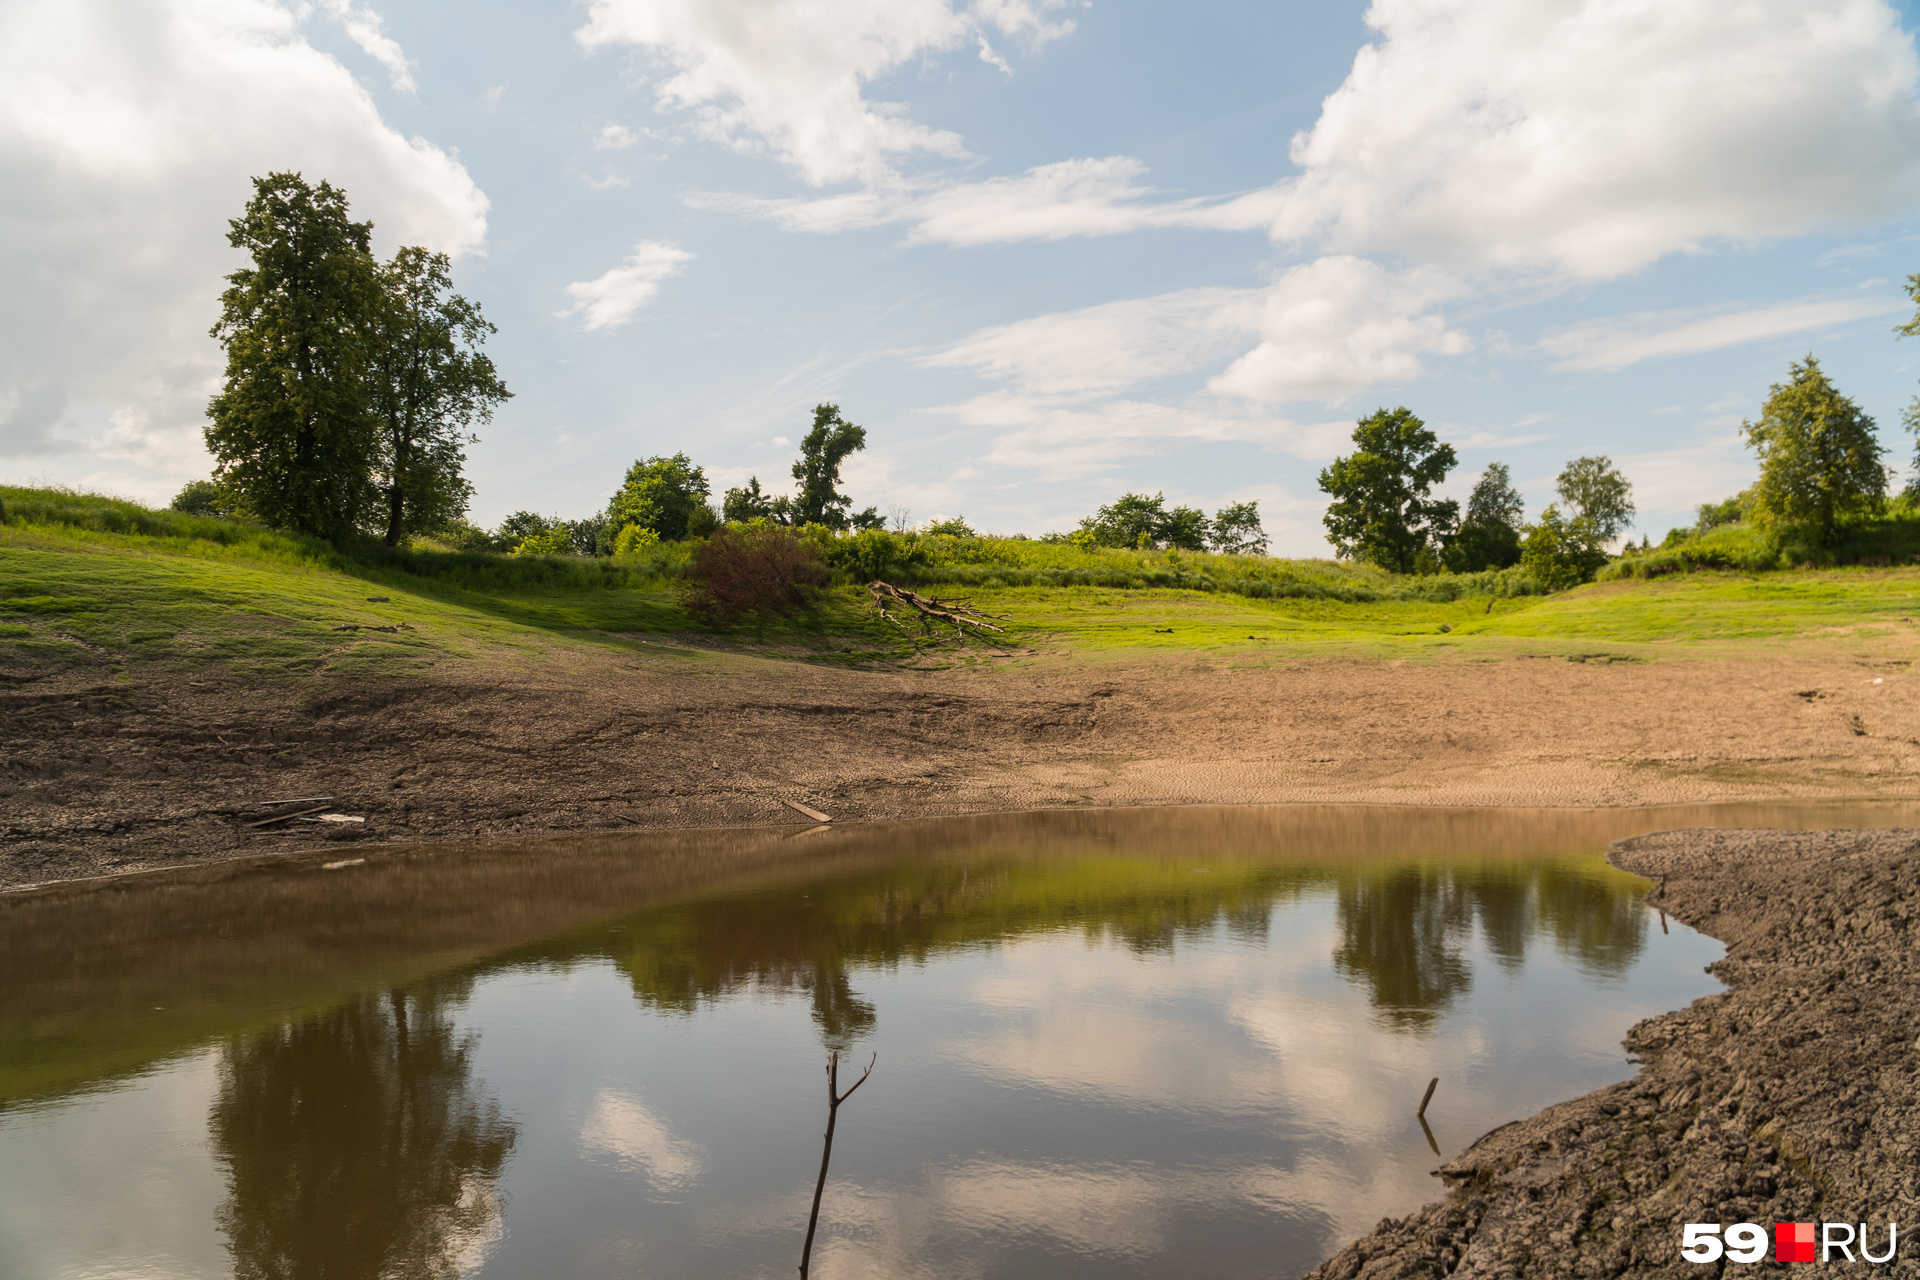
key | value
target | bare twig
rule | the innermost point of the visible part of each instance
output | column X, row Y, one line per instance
column 834, row 1099
column 282, row 817
column 955, row 611
column 1427, row 1097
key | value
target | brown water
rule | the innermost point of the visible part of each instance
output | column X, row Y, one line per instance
column 1110, row 1043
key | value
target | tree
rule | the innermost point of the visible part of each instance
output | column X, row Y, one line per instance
column 822, row 450
column 1489, row 534
column 951, row 527
column 201, row 498
column 1135, row 520
column 750, row 503
column 1236, row 530
column 662, row 494
column 1562, row 551
column 1380, row 511
column 290, row 430
column 1595, row 488
column 1819, row 458
column 1911, row 418
column 430, row 384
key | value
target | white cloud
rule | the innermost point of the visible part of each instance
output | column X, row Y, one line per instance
column 789, row 76
column 1592, row 137
column 128, row 135
column 614, row 137
column 367, row 29
column 1615, row 344
column 611, row 300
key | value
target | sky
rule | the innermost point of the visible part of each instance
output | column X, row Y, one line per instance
column 1045, row 251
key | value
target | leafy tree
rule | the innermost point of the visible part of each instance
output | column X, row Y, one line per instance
column 1819, row 457
column 202, row 498
column 750, row 503
column 952, row 527
column 1380, row 510
column 1236, row 530
column 1186, row 528
column 551, row 541
column 430, row 384
column 1595, row 488
column 1911, row 418
column 702, row 521
column 660, row 493
column 1562, row 551
column 290, row 430
column 517, row 527
column 591, row 536
column 1489, row 534
column 1135, row 520
column 822, row 450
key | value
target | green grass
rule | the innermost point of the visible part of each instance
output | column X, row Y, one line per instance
column 93, row 582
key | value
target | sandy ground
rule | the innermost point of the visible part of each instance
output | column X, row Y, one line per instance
column 1793, row 1097
column 162, row 769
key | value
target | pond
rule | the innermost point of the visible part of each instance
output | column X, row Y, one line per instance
column 1111, row 1043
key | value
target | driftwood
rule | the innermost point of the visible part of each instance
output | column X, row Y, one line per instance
column 282, row 817
column 834, row 1099
column 813, row 813
column 956, row 611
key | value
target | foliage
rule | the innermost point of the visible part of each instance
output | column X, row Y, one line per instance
column 741, row 506
column 1910, row 418
column 1594, row 490
column 430, row 384
column 1819, row 458
column 1380, row 511
column 202, row 498
column 1489, row 535
column 1137, row 521
column 702, row 521
column 633, row 540
column 1711, row 515
column 589, row 536
column 290, row 429
column 1560, row 552
column 874, row 553
column 464, row 535
column 752, row 571
column 951, row 527
column 1236, row 530
column 661, row 494
column 822, row 450
column 555, row 541
column 1889, row 536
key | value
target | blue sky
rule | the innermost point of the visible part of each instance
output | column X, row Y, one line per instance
column 1044, row 252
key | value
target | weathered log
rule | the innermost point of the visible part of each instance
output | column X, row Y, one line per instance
column 955, row 611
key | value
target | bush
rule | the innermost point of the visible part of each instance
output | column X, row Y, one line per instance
column 633, row 540
column 752, row 570
column 547, row 542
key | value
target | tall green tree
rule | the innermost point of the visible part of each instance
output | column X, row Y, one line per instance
column 1596, row 489
column 1819, row 457
column 1381, row 510
column 661, row 494
column 1236, row 530
column 429, row 385
column 822, row 450
column 290, row 430
column 749, row 502
column 1135, row 520
column 1911, row 418
column 1489, row 533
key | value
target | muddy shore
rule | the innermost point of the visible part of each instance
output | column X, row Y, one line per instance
column 1794, row 1096
column 158, row 768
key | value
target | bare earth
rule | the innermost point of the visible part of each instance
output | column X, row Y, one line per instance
column 1794, row 1096
column 157, row 771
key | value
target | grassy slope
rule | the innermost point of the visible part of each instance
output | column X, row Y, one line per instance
column 112, row 586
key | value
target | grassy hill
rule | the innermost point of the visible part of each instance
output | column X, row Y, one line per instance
column 87, row 581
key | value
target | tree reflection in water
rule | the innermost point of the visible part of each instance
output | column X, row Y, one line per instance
column 357, row 1144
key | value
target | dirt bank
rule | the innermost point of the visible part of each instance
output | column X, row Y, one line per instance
column 154, row 770
column 1789, row 1098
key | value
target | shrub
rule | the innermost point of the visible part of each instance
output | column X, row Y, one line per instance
column 752, row 570
column 633, row 540
column 547, row 542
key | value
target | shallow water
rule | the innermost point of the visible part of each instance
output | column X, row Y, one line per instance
column 1109, row 1043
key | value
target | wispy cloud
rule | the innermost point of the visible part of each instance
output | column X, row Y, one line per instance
column 611, row 300
column 367, row 29
column 1614, row 344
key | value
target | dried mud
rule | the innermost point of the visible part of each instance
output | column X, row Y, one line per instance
column 1790, row 1097
column 158, row 768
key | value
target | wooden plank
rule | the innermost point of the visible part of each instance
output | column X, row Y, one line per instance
column 815, row 814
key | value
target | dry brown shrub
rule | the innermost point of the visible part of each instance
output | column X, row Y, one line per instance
column 752, row 570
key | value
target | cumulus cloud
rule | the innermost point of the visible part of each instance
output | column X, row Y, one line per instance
column 367, row 29
column 611, row 300
column 1591, row 137
column 1617, row 343
column 128, row 136
column 789, row 76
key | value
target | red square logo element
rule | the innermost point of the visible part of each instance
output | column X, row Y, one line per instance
column 1793, row 1242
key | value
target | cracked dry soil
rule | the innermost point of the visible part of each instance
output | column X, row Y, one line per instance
column 157, row 768
column 1790, row 1097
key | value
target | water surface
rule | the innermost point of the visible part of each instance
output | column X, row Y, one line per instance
column 1114, row 1043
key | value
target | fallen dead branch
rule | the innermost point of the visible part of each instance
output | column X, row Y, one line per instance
column 393, row 630
column 955, row 611
column 813, row 813
column 282, row 817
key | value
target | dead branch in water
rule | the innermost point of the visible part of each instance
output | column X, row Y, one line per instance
column 956, row 611
column 834, row 1099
